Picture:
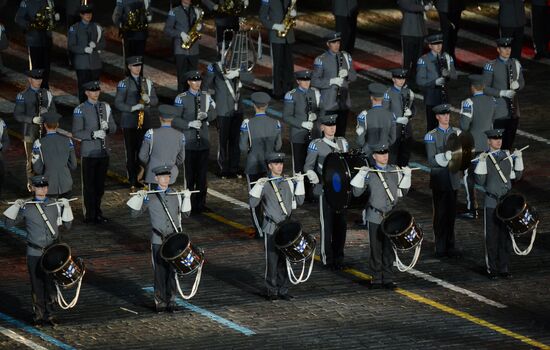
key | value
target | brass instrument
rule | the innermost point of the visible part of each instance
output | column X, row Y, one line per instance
column 241, row 54
column 141, row 113
column 136, row 20
column 44, row 19
column 193, row 33
column 443, row 64
column 232, row 7
column 288, row 22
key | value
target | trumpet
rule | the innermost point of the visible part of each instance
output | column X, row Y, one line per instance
column 288, row 22
column 193, row 33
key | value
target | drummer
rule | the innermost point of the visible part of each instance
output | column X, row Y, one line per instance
column 41, row 224
column 278, row 197
column 386, row 186
column 165, row 213
column 496, row 175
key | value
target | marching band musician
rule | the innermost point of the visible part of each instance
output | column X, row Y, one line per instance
column 444, row 184
column 92, row 121
column 165, row 214
column 278, row 197
column 399, row 99
column 345, row 17
column 85, row 40
column 133, row 18
column 225, row 21
column 260, row 136
column 163, row 145
column 495, row 174
column 37, row 18
column 42, row 221
column 511, row 21
column 301, row 108
column 30, row 104
column 449, row 13
column 272, row 14
column 54, row 156
column 332, row 72
column 333, row 224
column 413, row 31
column 433, row 70
column 503, row 78
column 227, row 94
column 477, row 115
column 179, row 22
column 135, row 94
column 196, row 109
column 386, row 184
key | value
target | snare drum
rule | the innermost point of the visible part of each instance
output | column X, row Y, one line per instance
column 178, row 251
column 517, row 215
column 290, row 239
column 58, row 262
column 402, row 230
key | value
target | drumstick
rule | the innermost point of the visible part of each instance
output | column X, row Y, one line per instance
column 158, row 191
column 279, row 177
column 36, row 202
column 55, row 203
column 147, row 192
column 385, row 171
column 521, row 150
column 181, row 192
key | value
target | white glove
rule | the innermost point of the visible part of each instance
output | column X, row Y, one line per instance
column 104, row 125
column 141, row 194
column 440, row 81
column 481, row 167
column 184, row 36
column 67, row 215
column 507, row 93
column 92, row 44
column 407, row 112
column 137, row 107
column 343, row 73
column 359, row 178
column 216, row 7
column 232, row 74
column 518, row 163
column 37, row 120
column 402, row 120
column 202, row 115
column 336, row 81
column 406, row 180
column 442, row 159
column 256, row 191
column 312, row 117
column 312, row 176
column 514, row 85
column 56, row 17
column 88, row 50
column 146, row 99
column 307, row 125
column 293, row 13
column 428, row 7
column 445, row 72
column 136, row 202
column 186, row 205
column 12, row 211
column 98, row 134
column 199, row 27
column 448, row 155
column 278, row 27
column 20, row 203
column 195, row 124
column 359, row 130
column 483, row 157
column 245, row 2
column 300, row 187
column 149, row 18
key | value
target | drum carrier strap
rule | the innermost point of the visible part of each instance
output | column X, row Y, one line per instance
column 502, row 177
column 41, row 211
column 279, row 198
column 163, row 202
column 386, row 188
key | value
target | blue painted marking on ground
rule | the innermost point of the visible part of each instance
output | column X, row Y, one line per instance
column 33, row 331
column 210, row 315
column 21, row 233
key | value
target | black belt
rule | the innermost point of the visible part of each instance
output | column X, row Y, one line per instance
column 377, row 211
column 160, row 234
column 36, row 246
column 497, row 198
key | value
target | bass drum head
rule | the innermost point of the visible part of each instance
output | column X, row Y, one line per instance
column 287, row 232
column 516, row 214
column 400, row 227
column 174, row 245
column 55, row 257
column 510, row 207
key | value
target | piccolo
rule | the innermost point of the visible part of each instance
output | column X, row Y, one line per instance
column 37, row 202
column 385, row 171
column 297, row 176
column 159, row 191
column 511, row 154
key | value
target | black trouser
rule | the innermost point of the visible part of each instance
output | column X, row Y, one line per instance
column 276, row 275
column 133, row 138
column 444, row 214
column 2, row 170
column 42, row 288
column 283, row 69
column 510, row 127
column 516, row 33
column 299, row 153
column 83, row 76
column 412, row 49
column 498, row 244
column 400, row 151
column 341, row 121
column 164, row 279
column 333, row 233
column 540, row 18
column 134, row 47
column 347, row 26
column 94, row 172
column 450, row 25
column 40, row 56
column 381, row 255
column 185, row 63
column 196, row 166
column 229, row 154
column 431, row 120
column 257, row 213
column 469, row 186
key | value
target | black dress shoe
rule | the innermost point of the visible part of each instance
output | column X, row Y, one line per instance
column 286, row 297
column 173, row 308
column 160, row 309
column 376, row 285
column 492, row 276
column 390, row 285
column 100, row 219
column 337, row 267
column 52, row 321
column 505, row 275
column 90, row 221
column 271, row 297
column 37, row 322
column 454, row 253
column 469, row 215
column 440, row 255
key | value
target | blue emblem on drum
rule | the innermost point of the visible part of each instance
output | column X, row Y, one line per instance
column 336, row 182
column 527, row 218
column 188, row 260
column 301, row 246
column 70, row 271
column 411, row 236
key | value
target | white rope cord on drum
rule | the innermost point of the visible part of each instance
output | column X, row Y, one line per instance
column 195, row 285
column 517, row 250
column 292, row 277
column 402, row 267
column 61, row 300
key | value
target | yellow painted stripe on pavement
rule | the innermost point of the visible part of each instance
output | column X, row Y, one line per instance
column 228, row 222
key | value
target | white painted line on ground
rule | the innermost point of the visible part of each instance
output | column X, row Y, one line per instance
column 20, row 339
column 227, row 198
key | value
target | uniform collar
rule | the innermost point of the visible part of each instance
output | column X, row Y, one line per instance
column 503, row 60
column 302, row 90
column 480, row 93
column 90, row 103
column 396, row 89
column 33, row 89
column 380, row 167
column 51, row 133
column 194, row 93
column 40, row 200
column 495, row 152
column 166, row 126
column 135, row 77
column 377, row 106
column 332, row 53
column 260, row 114
column 433, row 54
column 167, row 190
column 279, row 179
column 445, row 131
column 84, row 22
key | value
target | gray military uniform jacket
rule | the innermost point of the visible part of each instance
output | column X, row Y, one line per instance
column 187, row 102
column 160, row 222
column 428, row 70
column 177, row 22
column 298, row 104
column 4, row 42
column 227, row 93
column 326, row 67
column 39, row 235
column 395, row 100
column 511, row 13
column 4, row 137
column 379, row 128
column 413, row 23
column 477, row 115
column 25, row 110
column 317, row 151
column 344, row 8
column 26, row 14
column 128, row 94
column 120, row 16
column 80, row 35
column 379, row 203
column 259, row 136
column 86, row 121
column 164, row 145
column 272, row 12
column 441, row 178
column 497, row 183
column 54, row 156
column 497, row 76
column 273, row 211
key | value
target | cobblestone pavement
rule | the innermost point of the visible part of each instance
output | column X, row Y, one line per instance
column 443, row 303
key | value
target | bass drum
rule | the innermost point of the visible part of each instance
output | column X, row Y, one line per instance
column 516, row 214
column 290, row 239
column 58, row 262
column 178, row 251
column 338, row 171
column 402, row 230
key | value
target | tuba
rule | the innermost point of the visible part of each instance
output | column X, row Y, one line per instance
column 241, row 54
column 193, row 33
column 44, row 19
column 288, row 22
column 232, row 8
column 141, row 113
